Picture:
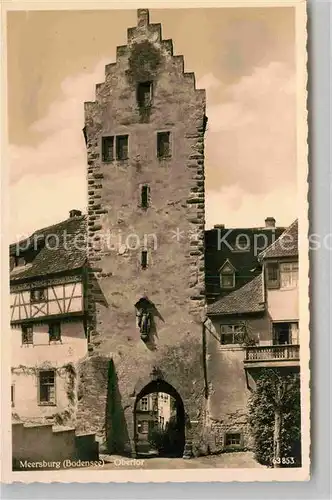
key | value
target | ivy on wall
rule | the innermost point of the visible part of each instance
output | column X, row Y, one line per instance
column 68, row 372
column 71, row 379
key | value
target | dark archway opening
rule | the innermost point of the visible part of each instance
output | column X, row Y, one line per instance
column 159, row 420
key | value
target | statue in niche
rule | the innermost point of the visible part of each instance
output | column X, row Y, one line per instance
column 144, row 317
column 144, row 323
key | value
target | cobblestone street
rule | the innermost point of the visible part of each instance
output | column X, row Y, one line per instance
column 225, row 460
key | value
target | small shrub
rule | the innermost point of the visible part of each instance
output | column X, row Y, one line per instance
column 157, row 439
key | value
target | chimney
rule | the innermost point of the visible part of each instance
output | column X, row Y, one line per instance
column 219, row 226
column 270, row 222
column 75, row 213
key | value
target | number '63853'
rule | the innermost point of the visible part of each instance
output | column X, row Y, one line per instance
column 284, row 460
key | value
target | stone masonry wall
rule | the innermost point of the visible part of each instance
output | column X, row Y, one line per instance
column 171, row 229
column 229, row 386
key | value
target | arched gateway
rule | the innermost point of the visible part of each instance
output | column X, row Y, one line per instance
column 159, row 421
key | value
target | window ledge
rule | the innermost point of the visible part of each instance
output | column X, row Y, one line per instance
column 46, row 404
column 123, row 162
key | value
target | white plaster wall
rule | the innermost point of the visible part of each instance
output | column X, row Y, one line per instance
column 164, row 408
column 28, row 359
column 72, row 348
column 283, row 305
column 26, row 395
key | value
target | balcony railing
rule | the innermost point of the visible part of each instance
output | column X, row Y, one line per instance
column 289, row 352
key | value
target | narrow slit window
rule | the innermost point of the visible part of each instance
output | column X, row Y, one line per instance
column 144, row 259
column 108, row 148
column 145, row 196
column 12, row 395
column 122, row 147
column 144, row 94
column 163, row 144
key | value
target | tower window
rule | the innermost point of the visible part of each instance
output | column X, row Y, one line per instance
column 144, row 94
column 122, row 147
column 163, row 144
column 144, row 259
column 145, row 196
column 107, row 148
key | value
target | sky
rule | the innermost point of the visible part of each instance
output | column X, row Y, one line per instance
column 243, row 57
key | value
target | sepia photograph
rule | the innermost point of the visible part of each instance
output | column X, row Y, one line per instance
column 157, row 234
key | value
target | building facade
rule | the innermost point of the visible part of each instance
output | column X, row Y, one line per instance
column 48, row 322
column 252, row 328
column 153, row 412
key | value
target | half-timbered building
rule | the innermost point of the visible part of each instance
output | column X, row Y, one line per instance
column 48, row 316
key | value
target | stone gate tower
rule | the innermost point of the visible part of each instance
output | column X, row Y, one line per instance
column 145, row 152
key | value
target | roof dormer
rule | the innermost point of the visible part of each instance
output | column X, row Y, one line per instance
column 227, row 275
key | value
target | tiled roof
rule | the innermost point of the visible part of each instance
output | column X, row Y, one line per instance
column 285, row 246
column 247, row 299
column 54, row 249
